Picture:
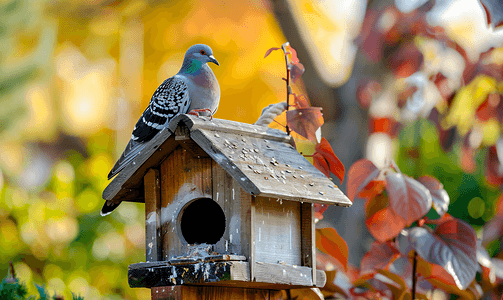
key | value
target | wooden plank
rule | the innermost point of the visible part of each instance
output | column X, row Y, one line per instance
column 269, row 168
column 308, row 238
column 132, row 175
column 152, row 215
column 229, row 273
column 277, row 231
column 183, row 179
column 229, row 195
column 251, row 237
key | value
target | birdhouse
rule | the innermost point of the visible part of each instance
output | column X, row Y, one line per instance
column 226, row 204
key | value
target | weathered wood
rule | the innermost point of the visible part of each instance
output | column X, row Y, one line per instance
column 152, row 215
column 230, row 273
column 235, row 203
column 251, row 238
column 132, row 175
column 269, row 168
column 262, row 160
column 210, row 292
column 183, row 179
column 277, row 231
column 308, row 244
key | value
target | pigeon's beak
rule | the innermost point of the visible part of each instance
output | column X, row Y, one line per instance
column 213, row 60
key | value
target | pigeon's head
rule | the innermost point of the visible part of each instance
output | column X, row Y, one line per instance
column 202, row 53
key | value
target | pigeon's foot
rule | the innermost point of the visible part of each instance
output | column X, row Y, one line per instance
column 197, row 112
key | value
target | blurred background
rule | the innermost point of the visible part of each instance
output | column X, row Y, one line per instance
column 414, row 81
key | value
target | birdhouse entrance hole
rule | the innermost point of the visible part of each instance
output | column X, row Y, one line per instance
column 203, row 221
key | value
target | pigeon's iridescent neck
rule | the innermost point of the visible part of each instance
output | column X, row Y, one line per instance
column 191, row 67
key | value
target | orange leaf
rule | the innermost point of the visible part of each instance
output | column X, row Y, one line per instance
column 294, row 59
column 336, row 166
column 305, row 121
column 330, row 242
column 385, row 224
column 321, row 163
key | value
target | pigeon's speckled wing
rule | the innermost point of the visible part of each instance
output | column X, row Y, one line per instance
column 170, row 99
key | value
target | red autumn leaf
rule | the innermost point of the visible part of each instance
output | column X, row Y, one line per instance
column 440, row 278
column 270, row 50
column 406, row 61
column 494, row 174
column 366, row 91
column 321, row 163
column 336, row 166
column 372, row 189
column 319, row 209
column 467, row 159
column 300, row 101
column 407, row 197
column 385, row 224
column 489, row 109
column 379, row 257
column 439, row 196
column 330, row 242
column 360, row 175
column 453, row 246
column 305, row 121
column 385, row 125
column 296, row 71
column 293, row 59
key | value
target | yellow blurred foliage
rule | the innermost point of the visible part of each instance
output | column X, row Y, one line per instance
column 466, row 101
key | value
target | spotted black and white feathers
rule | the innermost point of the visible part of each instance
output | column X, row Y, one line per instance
column 194, row 87
column 170, row 99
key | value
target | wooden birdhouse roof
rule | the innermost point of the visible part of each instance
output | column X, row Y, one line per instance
column 261, row 159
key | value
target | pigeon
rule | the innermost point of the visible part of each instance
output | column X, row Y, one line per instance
column 194, row 89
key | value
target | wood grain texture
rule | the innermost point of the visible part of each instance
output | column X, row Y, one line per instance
column 269, row 168
column 210, row 293
column 308, row 241
column 132, row 176
column 262, row 160
column 235, row 203
column 184, row 178
column 227, row 273
column 277, row 231
column 152, row 215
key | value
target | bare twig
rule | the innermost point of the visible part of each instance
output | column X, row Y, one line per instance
column 288, row 88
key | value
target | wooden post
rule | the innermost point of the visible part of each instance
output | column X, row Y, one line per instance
column 186, row 292
column 308, row 238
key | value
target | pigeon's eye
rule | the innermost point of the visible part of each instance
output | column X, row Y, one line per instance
column 202, row 52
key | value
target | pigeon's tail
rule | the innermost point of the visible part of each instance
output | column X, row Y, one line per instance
column 133, row 148
column 108, row 207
